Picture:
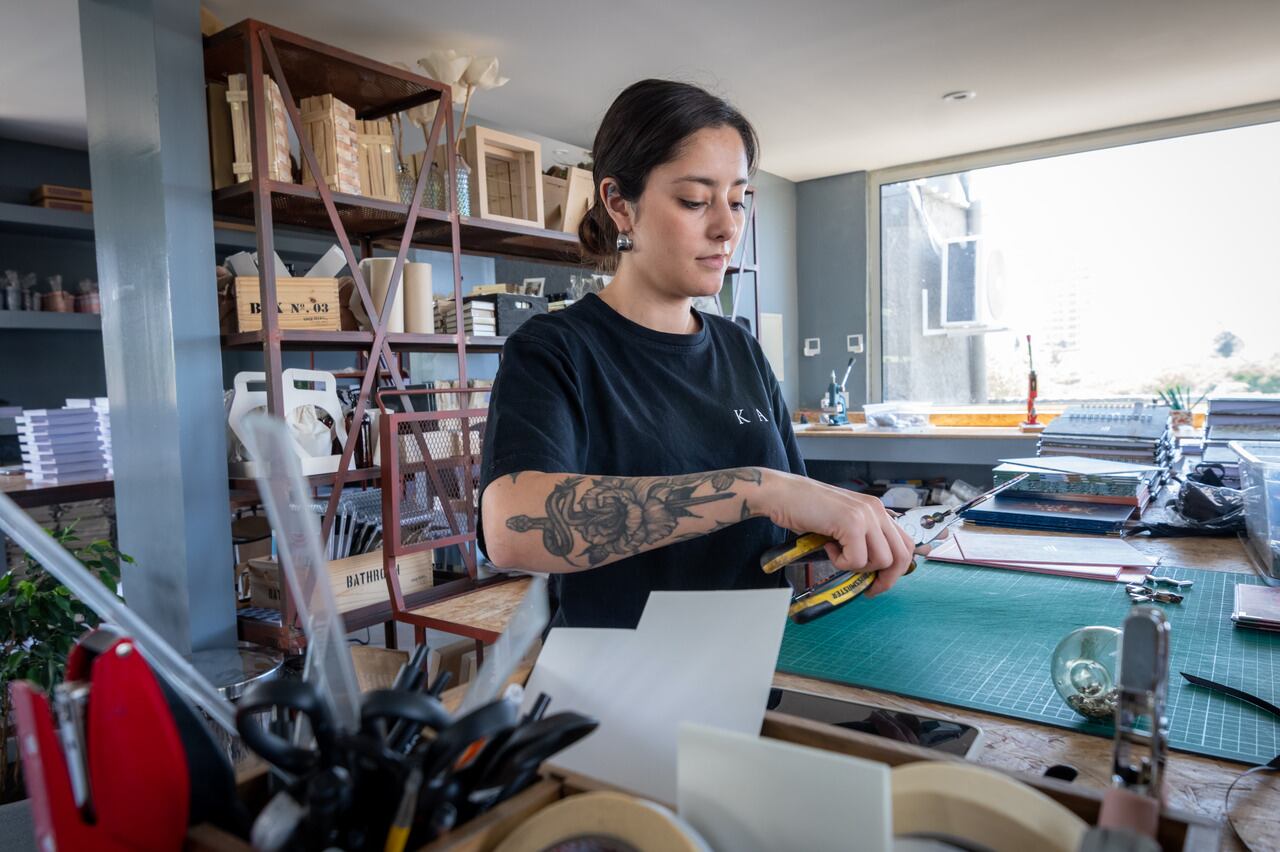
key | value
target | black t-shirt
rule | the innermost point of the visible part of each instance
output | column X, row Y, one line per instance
column 587, row 391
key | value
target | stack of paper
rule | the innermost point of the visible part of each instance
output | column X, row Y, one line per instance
column 1136, row 433
column 1080, row 479
column 102, row 408
column 1088, row 558
column 479, row 319
column 61, row 444
column 1257, row 606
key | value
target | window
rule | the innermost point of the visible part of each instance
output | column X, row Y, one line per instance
column 1132, row 268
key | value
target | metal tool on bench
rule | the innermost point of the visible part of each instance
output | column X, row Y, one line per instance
column 1130, row 810
column 837, row 591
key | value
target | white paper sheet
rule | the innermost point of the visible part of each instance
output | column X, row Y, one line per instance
column 754, row 794
column 703, row 657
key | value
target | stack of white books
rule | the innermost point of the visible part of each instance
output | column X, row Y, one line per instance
column 61, row 444
column 102, row 408
column 478, row 318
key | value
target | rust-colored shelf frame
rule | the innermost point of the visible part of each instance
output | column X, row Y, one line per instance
column 260, row 53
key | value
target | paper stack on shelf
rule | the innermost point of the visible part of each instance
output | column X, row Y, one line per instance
column 1134, row 433
column 102, row 408
column 62, row 444
column 1092, row 559
column 479, row 319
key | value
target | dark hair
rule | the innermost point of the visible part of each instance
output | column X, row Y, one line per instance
column 644, row 128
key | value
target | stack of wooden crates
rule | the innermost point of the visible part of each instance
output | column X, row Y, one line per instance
column 330, row 126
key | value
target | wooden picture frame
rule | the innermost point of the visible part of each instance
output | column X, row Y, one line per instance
column 506, row 177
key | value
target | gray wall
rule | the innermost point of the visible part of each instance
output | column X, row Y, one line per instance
column 40, row 369
column 831, row 251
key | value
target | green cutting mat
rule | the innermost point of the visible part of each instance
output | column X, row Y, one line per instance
column 982, row 637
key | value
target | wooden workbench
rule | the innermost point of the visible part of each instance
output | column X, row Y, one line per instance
column 1195, row 784
column 1192, row 783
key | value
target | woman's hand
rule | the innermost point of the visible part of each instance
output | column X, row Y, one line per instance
column 866, row 537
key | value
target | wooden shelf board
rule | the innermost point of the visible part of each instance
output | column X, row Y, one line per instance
column 368, row 474
column 373, row 89
column 350, row 341
column 49, row 321
column 383, row 221
column 28, row 219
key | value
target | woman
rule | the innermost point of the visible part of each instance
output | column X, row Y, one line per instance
column 634, row 443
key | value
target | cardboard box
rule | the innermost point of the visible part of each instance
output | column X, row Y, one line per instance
column 357, row 581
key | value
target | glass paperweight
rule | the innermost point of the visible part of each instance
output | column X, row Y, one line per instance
column 1084, row 668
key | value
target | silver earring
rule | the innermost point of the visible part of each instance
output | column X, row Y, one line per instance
column 625, row 243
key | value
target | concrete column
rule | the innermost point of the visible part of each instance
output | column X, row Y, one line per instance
column 153, row 222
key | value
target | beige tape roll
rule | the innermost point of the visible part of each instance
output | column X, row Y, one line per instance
column 613, row 820
column 981, row 806
column 419, row 311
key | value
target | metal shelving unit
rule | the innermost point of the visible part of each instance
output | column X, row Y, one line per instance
column 302, row 68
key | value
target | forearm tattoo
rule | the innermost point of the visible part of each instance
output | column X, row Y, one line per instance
column 617, row 516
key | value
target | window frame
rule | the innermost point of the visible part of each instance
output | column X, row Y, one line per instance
column 1152, row 131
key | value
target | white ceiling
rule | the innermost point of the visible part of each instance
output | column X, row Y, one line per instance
column 831, row 86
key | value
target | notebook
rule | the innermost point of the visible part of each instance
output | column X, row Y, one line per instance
column 1004, row 510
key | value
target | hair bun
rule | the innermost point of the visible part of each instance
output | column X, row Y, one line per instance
column 599, row 236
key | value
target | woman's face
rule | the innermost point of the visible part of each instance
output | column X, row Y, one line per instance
column 687, row 222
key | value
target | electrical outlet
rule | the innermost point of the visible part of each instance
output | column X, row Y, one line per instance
column 812, row 346
column 854, row 342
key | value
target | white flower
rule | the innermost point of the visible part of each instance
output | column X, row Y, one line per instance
column 446, row 66
column 482, row 73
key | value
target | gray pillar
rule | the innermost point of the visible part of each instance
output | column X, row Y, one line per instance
column 153, row 224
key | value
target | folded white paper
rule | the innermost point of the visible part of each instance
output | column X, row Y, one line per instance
column 703, row 657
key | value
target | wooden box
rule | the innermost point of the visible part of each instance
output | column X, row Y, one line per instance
column 303, row 303
column 506, row 182
column 280, row 166
column 330, row 126
column 377, row 160
column 1177, row 830
column 64, row 193
column 567, row 199
column 222, row 147
column 357, row 581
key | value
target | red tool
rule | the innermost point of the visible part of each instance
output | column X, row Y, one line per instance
column 133, row 757
column 1031, row 424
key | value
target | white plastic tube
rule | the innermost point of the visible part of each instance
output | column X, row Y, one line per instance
column 288, row 500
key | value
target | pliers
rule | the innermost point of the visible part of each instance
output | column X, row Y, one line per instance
column 923, row 525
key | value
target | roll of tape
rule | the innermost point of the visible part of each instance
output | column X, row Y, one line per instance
column 609, row 821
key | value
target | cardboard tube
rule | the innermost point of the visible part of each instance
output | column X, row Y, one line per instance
column 377, row 273
column 419, row 312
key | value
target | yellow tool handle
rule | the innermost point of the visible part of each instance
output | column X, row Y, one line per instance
column 834, row 593
column 783, row 555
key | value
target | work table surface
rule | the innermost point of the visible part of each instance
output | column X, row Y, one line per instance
column 1192, row 783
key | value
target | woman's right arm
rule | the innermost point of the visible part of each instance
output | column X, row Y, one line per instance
column 562, row 523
